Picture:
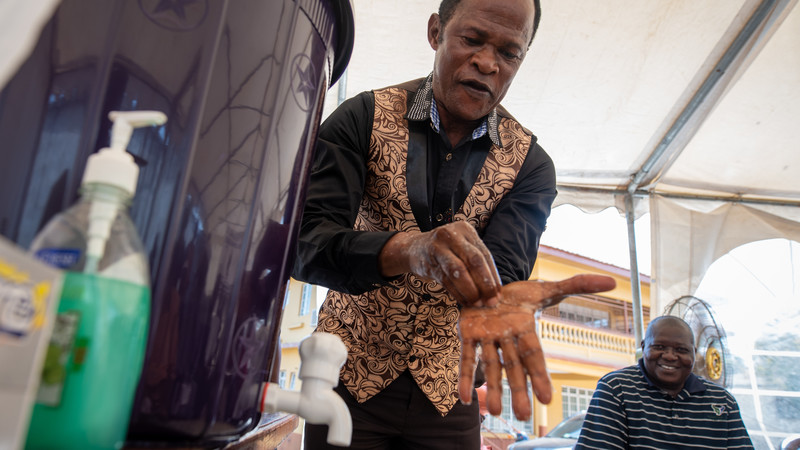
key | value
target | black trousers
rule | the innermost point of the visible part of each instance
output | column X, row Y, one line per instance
column 402, row 417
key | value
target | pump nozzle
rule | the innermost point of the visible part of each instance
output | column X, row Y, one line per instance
column 126, row 121
column 113, row 165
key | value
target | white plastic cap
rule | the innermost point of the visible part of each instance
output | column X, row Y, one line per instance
column 113, row 165
column 321, row 357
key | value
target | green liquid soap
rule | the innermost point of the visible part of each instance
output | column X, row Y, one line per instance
column 92, row 365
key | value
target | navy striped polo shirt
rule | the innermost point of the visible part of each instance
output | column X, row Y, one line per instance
column 628, row 411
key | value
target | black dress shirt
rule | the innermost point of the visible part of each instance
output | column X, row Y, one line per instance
column 332, row 254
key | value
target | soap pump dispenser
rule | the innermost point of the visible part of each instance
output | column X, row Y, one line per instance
column 94, row 359
column 113, row 166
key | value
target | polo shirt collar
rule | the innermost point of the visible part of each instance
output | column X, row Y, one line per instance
column 424, row 108
column 692, row 385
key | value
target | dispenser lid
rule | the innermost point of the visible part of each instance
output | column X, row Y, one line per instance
column 345, row 36
column 113, row 168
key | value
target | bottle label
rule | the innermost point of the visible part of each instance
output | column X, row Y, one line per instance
column 95, row 354
column 62, row 346
column 16, row 309
column 63, row 258
column 22, row 302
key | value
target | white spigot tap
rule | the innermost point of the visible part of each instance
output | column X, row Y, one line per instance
column 321, row 357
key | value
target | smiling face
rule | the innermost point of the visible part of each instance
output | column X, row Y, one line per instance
column 478, row 53
column 668, row 353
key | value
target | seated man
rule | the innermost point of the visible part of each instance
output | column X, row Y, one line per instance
column 660, row 403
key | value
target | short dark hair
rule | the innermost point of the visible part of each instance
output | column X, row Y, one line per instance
column 670, row 320
column 448, row 7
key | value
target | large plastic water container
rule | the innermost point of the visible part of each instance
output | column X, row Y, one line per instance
column 221, row 184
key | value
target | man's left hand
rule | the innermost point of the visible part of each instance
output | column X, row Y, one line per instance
column 511, row 328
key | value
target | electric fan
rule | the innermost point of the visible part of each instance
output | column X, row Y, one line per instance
column 712, row 357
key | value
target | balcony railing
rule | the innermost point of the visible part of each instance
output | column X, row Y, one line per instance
column 594, row 344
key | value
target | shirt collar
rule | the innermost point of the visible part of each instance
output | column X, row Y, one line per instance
column 424, row 108
column 693, row 384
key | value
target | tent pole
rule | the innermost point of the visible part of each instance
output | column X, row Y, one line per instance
column 636, row 291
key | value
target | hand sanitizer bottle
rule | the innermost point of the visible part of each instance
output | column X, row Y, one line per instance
column 95, row 355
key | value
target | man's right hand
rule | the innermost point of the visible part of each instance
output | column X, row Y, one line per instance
column 452, row 255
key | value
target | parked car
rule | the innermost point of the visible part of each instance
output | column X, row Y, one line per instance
column 563, row 437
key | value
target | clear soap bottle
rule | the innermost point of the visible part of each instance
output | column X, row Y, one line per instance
column 94, row 359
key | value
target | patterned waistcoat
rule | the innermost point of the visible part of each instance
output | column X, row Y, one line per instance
column 410, row 323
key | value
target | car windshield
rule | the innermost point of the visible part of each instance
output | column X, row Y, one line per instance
column 568, row 429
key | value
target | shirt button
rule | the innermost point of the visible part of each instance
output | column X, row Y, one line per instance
column 448, row 157
column 439, row 217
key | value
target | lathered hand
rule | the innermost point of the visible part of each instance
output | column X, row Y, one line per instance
column 452, row 255
column 511, row 327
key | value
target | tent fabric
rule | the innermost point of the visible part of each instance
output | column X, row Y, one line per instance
column 689, row 235
column 604, row 83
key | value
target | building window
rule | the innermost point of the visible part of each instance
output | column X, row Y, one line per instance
column 291, row 381
column 584, row 315
column 319, row 300
column 305, row 300
column 286, row 295
column 597, row 312
column 574, row 400
column 506, row 422
column 282, row 379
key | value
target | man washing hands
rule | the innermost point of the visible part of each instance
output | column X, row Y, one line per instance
column 492, row 315
column 425, row 206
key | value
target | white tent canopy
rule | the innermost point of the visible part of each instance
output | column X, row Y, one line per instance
column 690, row 106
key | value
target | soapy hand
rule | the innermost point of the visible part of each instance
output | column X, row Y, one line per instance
column 511, row 327
column 452, row 255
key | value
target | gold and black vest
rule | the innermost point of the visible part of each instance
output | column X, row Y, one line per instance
column 411, row 323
